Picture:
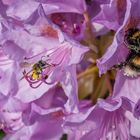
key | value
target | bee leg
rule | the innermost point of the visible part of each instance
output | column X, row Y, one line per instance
column 120, row 66
column 126, row 62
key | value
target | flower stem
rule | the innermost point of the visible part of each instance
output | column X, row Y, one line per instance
column 87, row 72
column 89, row 35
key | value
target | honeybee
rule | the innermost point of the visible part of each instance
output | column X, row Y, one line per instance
column 131, row 65
column 37, row 69
column 35, row 72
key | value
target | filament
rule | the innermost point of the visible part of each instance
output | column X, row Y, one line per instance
column 39, row 74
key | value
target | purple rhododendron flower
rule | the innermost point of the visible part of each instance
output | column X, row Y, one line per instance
column 78, row 6
column 118, row 48
column 109, row 118
column 73, row 22
column 70, row 23
column 118, row 52
column 49, row 82
column 16, row 8
column 58, row 60
column 112, row 14
column 137, row 109
column 46, row 112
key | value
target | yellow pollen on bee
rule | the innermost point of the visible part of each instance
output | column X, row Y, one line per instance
column 135, row 35
column 136, row 60
column 35, row 74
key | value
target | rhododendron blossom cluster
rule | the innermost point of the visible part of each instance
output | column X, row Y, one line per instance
column 69, row 70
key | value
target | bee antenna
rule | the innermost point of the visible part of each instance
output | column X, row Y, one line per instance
column 42, row 58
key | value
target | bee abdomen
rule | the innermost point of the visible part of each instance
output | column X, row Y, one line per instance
column 135, row 63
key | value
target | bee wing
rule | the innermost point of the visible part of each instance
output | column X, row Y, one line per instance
column 25, row 64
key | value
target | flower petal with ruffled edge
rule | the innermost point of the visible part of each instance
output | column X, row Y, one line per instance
column 126, row 86
column 78, row 6
column 111, row 14
column 117, row 52
column 111, row 123
column 20, row 9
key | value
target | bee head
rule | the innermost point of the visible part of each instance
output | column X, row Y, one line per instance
column 132, row 39
column 40, row 64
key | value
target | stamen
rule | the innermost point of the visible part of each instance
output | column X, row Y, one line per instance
column 31, row 85
column 41, row 53
column 66, row 24
column 76, row 28
column 41, row 70
column 36, row 75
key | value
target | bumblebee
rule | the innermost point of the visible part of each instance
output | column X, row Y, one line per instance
column 131, row 65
